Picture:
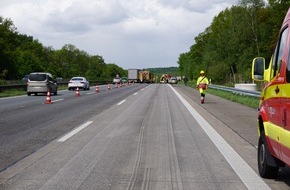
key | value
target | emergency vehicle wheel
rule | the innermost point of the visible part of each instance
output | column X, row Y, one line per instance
column 265, row 170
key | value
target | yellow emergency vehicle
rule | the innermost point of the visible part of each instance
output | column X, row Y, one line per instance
column 274, row 110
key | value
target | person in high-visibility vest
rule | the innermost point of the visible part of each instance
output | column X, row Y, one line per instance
column 202, row 84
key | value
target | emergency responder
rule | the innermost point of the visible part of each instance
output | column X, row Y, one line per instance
column 202, row 84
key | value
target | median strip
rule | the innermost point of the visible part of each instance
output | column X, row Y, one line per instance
column 75, row 131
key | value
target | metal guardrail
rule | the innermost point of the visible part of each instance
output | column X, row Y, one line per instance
column 23, row 86
column 236, row 90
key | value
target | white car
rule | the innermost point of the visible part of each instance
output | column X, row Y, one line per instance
column 80, row 82
column 117, row 80
column 173, row 80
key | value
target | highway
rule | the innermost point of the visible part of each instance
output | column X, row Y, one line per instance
column 141, row 136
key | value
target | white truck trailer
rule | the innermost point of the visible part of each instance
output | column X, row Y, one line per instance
column 133, row 75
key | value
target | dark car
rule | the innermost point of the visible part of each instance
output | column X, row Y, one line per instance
column 25, row 78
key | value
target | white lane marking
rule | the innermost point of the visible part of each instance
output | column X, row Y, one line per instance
column 58, row 100
column 249, row 177
column 75, row 131
column 135, row 93
column 91, row 93
column 121, row 102
column 142, row 89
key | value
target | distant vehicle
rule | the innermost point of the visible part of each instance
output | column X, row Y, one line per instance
column 133, row 75
column 124, row 79
column 145, row 77
column 59, row 79
column 25, row 78
column 173, row 80
column 78, row 82
column 164, row 78
column 41, row 83
column 117, row 80
column 140, row 76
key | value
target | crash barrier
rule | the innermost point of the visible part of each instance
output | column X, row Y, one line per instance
column 23, row 86
column 240, row 91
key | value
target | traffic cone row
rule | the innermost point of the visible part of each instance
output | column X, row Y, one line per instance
column 48, row 99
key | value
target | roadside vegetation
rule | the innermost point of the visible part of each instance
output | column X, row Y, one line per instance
column 226, row 48
column 12, row 92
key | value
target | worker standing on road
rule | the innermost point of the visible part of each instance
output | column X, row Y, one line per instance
column 202, row 84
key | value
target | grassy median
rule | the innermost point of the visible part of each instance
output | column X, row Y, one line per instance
column 12, row 92
column 19, row 92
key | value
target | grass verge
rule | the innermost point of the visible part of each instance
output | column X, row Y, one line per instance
column 12, row 92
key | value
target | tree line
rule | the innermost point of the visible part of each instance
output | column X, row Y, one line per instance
column 226, row 48
column 20, row 55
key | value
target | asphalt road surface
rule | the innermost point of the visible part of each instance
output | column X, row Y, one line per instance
column 135, row 137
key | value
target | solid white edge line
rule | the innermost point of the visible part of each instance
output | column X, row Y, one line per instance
column 75, row 131
column 249, row 177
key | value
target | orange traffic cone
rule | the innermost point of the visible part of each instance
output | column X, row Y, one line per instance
column 48, row 99
column 121, row 84
column 109, row 87
column 77, row 92
column 97, row 89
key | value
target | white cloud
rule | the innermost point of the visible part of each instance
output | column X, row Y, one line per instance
column 130, row 33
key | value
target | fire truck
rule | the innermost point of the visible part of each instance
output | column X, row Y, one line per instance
column 274, row 110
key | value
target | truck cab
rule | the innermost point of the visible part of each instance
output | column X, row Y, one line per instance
column 274, row 110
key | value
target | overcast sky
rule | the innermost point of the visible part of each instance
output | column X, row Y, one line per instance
column 130, row 33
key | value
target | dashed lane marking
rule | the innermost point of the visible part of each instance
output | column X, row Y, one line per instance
column 75, row 131
column 121, row 102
